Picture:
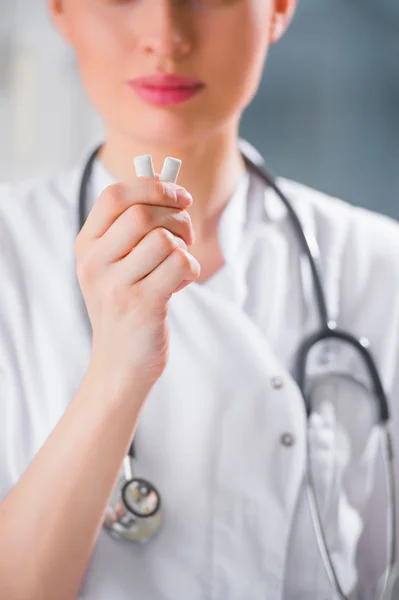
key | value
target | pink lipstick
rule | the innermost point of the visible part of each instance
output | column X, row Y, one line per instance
column 166, row 90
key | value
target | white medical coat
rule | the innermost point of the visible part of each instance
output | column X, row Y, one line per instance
column 222, row 434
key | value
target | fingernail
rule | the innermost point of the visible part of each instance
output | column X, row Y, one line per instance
column 183, row 197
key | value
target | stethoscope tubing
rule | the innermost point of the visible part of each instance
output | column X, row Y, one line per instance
column 328, row 330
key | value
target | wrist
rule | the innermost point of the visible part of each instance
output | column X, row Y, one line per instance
column 116, row 387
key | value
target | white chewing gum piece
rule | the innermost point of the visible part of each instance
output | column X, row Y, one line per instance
column 144, row 167
column 170, row 170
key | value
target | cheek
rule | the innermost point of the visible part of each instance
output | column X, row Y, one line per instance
column 236, row 53
column 100, row 51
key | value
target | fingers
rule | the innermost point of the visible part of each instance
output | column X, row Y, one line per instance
column 153, row 249
column 135, row 223
column 162, row 282
column 118, row 197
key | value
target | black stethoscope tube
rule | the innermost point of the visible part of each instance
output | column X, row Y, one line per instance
column 327, row 331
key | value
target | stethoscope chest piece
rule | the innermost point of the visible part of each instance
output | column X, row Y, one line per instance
column 135, row 511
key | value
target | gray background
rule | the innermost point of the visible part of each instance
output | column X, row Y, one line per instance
column 327, row 113
column 328, row 110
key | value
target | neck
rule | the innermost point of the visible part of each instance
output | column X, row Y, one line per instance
column 211, row 169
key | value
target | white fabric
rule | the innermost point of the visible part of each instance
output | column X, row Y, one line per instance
column 235, row 519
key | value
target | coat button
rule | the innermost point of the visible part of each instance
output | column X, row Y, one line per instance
column 287, row 440
column 277, row 382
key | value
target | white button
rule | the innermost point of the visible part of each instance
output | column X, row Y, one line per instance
column 277, row 382
column 287, row 439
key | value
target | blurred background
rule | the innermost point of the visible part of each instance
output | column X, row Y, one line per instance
column 327, row 112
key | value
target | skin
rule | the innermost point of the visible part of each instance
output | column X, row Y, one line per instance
column 224, row 43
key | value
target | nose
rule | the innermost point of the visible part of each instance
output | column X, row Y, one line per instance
column 166, row 34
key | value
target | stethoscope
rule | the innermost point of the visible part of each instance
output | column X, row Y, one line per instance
column 134, row 511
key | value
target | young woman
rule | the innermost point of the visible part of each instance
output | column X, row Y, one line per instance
column 127, row 325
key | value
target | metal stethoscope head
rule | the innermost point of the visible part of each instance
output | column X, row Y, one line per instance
column 134, row 511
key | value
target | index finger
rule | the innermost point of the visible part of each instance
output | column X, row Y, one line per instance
column 118, row 197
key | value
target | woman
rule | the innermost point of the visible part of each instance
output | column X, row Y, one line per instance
column 193, row 338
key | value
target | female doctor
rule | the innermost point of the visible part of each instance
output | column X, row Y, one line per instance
column 125, row 325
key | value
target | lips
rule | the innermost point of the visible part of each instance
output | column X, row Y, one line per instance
column 164, row 90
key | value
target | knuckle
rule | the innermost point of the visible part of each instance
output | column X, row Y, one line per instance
column 112, row 195
column 163, row 191
column 139, row 216
column 116, row 296
column 180, row 242
column 86, row 270
column 164, row 239
column 182, row 259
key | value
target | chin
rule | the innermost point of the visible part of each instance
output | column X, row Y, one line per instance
column 169, row 130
